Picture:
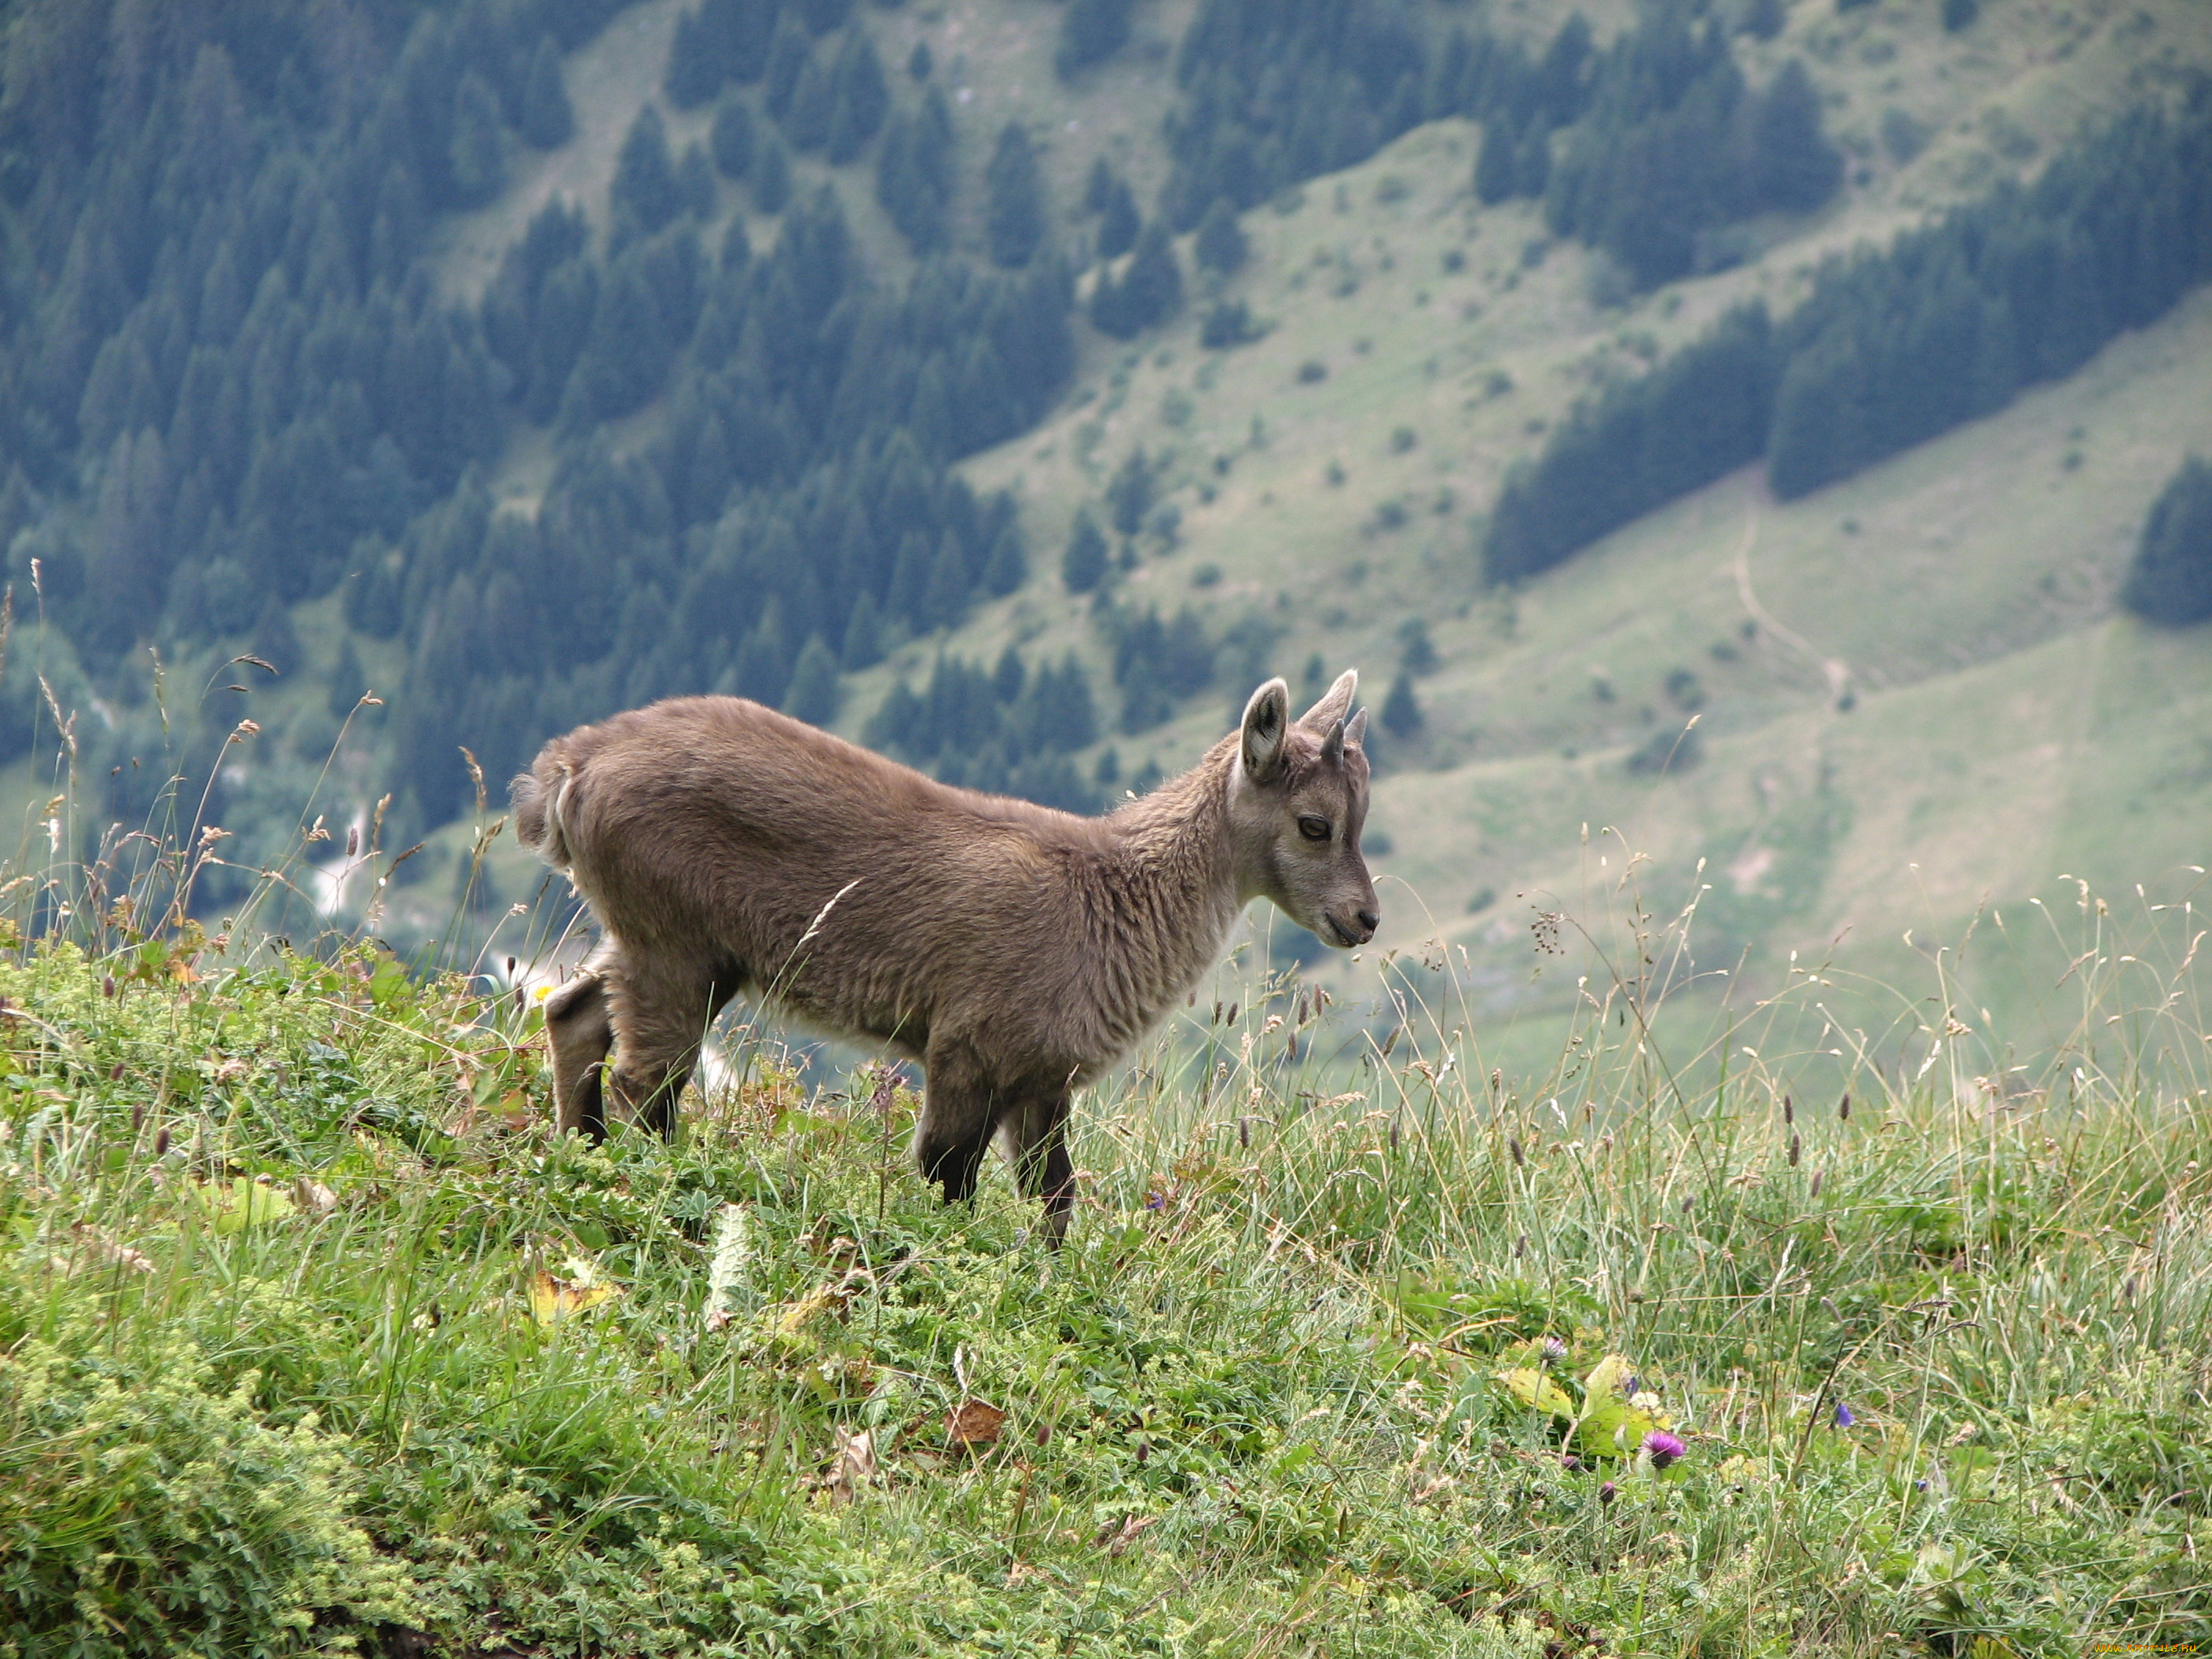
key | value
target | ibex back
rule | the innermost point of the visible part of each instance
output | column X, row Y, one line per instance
column 1016, row 952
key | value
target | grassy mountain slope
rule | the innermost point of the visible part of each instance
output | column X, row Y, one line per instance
column 1923, row 661
column 317, row 1343
column 1331, row 479
column 1865, row 1169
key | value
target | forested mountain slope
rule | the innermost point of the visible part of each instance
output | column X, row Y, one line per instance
column 1013, row 383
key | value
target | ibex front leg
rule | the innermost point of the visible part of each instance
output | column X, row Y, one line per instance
column 580, row 1033
column 661, row 1011
column 957, row 1118
column 1037, row 1135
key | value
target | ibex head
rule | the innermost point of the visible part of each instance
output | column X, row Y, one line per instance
column 1297, row 797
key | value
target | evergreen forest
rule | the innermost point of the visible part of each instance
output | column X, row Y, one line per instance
column 238, row 390
column 1892, row 346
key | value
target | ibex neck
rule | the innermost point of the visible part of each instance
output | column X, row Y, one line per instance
column 1183, row 824
column 1177, row 872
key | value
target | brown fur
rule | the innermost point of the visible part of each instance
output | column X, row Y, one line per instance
column 1016, row 952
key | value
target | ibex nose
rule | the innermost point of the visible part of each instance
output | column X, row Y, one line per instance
column 1358, row 930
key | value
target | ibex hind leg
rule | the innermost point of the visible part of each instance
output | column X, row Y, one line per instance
column 661, row 1009
column 1036, row 1139
column 580, row 1033
column 957, row 1118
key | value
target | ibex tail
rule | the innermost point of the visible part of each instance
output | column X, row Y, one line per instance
column 540, row 794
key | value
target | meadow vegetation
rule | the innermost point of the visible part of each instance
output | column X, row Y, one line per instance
column 315, row 1340
column 585, row 352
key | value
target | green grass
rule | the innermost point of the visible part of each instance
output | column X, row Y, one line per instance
column 310, row 1334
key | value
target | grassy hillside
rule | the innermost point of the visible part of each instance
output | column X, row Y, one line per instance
column 315, row 1342
column 1749, row 1202
column 1910, row 690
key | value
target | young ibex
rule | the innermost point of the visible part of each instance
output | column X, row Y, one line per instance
column 1016, row 952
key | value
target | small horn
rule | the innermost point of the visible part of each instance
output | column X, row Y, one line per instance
column 1331, row 746
column 1334, row 705
column 1355, row 734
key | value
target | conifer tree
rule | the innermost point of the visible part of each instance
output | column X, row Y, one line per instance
column 1091, row 32
column 1008, row 565
column 805, row 117
column 2170, row 579
column 907, row 599
column 731, row 138
column 1066, row 718
column 1014, row 212
column 478, row 151
column 1220, row 245
column 1148, row 293
column 1794, row 166
column 860, row 96
column 1129, row 492
column 1532, row 161
column 789, row 51
column 548, row 119
column 771, row 175
column 1420, row 651
column 1401, row 709
column 946, row 600
column 347, row 681
column 913, row 172
column 814, row 693
column 1118, row 221
column 863, row 645
column 1562, row 79
column 695, row 181
column 1083, row 566
column 762, row 670
column 698, row 56
column 1496, row 164
column 274, row 639
column 645, row 194
column 1097, row 185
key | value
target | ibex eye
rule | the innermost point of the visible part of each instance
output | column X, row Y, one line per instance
column 1313, row 828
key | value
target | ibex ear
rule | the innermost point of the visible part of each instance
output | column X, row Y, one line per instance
column 1334, row 706
column 1267, row 719
column 1355, row 731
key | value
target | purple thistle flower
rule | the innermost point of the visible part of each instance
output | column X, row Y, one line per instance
column 1553, row 1351
column 1844, row 1418
column 1607, row 1492
column 1663, row 1447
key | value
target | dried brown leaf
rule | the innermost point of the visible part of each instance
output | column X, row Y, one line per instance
column 973, row 1422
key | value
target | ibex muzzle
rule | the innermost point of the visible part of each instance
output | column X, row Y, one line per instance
column 1016, row 952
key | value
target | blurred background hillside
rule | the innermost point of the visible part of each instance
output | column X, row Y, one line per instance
column 1741, row 442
